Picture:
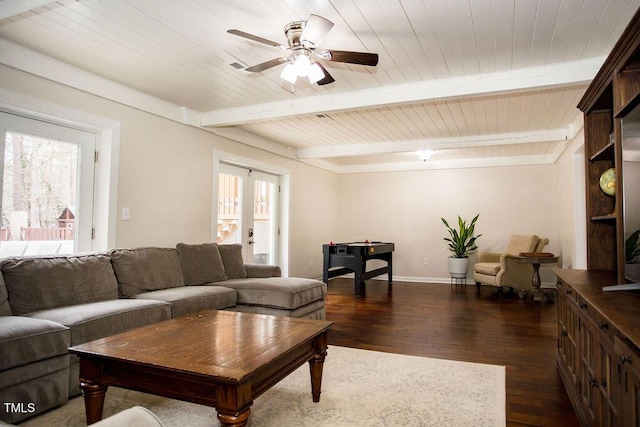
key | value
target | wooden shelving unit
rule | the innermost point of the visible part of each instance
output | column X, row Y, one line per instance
column 614, row 92
column 598, row 339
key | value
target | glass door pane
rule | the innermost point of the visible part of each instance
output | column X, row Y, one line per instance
column 39, row 195
column 229, row 209
column 47, row 173
column 264, row 235
column 247, row 212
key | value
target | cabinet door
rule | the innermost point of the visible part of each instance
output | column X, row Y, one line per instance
column 628, row 359
column 598, row 374
column 568, row 322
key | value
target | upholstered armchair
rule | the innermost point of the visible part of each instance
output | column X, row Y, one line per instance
column 501, row 270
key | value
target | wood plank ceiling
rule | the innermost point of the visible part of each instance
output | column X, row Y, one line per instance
column 481, row 82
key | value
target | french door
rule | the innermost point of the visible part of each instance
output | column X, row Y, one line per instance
column 248, row 212
column 47, row 181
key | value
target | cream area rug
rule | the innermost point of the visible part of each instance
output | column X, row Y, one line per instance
column 359, row 388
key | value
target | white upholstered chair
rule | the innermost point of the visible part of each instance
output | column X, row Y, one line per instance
column 501, row 270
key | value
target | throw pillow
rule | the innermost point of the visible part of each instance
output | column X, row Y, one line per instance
column 201, row 263
column 232, row 260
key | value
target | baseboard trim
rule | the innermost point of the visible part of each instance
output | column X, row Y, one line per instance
column 434, row 280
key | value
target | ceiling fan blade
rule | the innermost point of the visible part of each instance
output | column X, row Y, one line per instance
column 361, row 58
column 255, row 38
column 327, row 77
column 315, row 29
column 266, row 65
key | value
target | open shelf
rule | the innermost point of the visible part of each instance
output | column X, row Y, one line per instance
column 606, row 153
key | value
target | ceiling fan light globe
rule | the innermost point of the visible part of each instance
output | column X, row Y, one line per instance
column 302, row 65
column 315, row 73
column 289, row 74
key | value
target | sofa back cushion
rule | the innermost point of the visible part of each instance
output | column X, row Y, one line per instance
column 146, row 269
column 40, row 283
column 5, row 309
column 232, row 260
column 201, row 263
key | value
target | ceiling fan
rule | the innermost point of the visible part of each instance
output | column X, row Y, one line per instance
column 303, row 39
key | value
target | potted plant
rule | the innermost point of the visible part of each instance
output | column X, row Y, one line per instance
column 461, row 243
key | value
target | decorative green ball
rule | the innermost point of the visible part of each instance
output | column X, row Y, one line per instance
column 608, row 182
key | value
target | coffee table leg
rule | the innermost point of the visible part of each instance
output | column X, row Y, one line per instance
column 315, row 366
column 93, row 400
column 234, row 419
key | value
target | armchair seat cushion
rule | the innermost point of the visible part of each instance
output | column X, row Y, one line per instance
column 488, row 268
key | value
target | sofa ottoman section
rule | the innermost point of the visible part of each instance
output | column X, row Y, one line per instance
column 285, row 295
column 34, row 366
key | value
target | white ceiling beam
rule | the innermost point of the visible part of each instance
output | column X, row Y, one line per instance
column 546, row 76
column 9, row 8
column 29, row 61
column 248, row 138
column 487, row 162
column 432, row 144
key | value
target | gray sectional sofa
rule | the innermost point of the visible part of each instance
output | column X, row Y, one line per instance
column 50, row 303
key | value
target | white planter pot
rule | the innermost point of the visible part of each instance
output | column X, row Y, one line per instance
column 458, row 267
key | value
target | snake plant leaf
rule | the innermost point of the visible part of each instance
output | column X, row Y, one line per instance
column 461, row 240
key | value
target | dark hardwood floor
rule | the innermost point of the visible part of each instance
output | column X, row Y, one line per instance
column 458, row 323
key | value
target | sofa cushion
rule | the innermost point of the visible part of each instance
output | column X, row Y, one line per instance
column 5, row 308
column 24, row 340
column 189, row 299
column 43, row 384
column 201, row 263
column 88, row 322
column 42, row 282
column 232, row 260
column 488, row 268
column 146, row 269
column 278, row 292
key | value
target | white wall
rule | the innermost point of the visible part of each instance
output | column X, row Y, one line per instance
column 570, row 198
column 405, row 208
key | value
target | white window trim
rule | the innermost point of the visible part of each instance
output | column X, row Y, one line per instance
column 107, row 145
column 284, row 201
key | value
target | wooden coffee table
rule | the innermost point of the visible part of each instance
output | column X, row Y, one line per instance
column 216, row 358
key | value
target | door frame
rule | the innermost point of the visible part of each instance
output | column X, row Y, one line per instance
column 85, row 141
column 107, row 133
column 247, row 219
column 282, row 244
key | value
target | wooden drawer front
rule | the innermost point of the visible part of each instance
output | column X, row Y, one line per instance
column 568, row 292
column 628, row 355
column 594, row 316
